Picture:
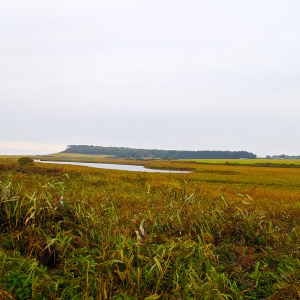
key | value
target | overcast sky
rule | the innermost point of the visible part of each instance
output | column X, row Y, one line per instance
column 167, row 74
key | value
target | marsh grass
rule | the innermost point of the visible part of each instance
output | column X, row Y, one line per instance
column 260, row 162
column 71, row 232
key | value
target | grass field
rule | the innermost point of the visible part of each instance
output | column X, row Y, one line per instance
column 72, row 157
column 220, row 232
column 258, row 161
column 110, row 159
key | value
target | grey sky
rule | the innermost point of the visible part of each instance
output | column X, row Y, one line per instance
column 195, row 75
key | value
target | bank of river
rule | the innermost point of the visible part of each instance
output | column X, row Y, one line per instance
column 134, row 168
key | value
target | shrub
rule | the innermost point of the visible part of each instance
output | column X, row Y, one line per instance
column 25, row 161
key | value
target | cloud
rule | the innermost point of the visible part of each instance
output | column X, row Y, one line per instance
column 109, row 72
column 25, row 148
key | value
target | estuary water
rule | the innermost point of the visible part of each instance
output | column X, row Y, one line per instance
column 112, row 166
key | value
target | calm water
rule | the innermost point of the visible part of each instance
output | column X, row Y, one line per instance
column 112, row 166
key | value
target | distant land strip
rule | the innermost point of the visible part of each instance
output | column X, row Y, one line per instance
column 132, row 153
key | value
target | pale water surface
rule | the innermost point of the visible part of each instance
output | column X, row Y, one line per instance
column 113, row 166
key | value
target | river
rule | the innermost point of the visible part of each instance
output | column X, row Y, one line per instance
column 134, row 168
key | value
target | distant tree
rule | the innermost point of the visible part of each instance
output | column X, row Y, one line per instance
column 268, row 156
column 25, row 161
column 122, row 152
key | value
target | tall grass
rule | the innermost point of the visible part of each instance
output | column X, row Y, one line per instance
column 218, row 233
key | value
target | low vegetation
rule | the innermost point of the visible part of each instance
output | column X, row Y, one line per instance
column 261, row 162
column 25, row 161
column 220, row 232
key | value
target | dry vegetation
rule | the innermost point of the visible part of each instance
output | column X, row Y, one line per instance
column 220, row 232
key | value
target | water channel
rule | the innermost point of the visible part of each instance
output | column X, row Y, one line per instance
column 112, row 166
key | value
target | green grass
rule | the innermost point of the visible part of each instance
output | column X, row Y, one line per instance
column 221, row 232
column 258, row 161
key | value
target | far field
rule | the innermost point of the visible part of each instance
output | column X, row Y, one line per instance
column 111, row 159
column 258, row 161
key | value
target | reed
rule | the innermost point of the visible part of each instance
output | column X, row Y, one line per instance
column 221, row 232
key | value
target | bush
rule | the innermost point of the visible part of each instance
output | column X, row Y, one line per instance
column 25, row 161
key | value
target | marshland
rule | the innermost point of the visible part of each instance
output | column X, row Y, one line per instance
column 223, row 231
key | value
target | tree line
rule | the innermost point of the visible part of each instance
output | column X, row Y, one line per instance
column 125, row 152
